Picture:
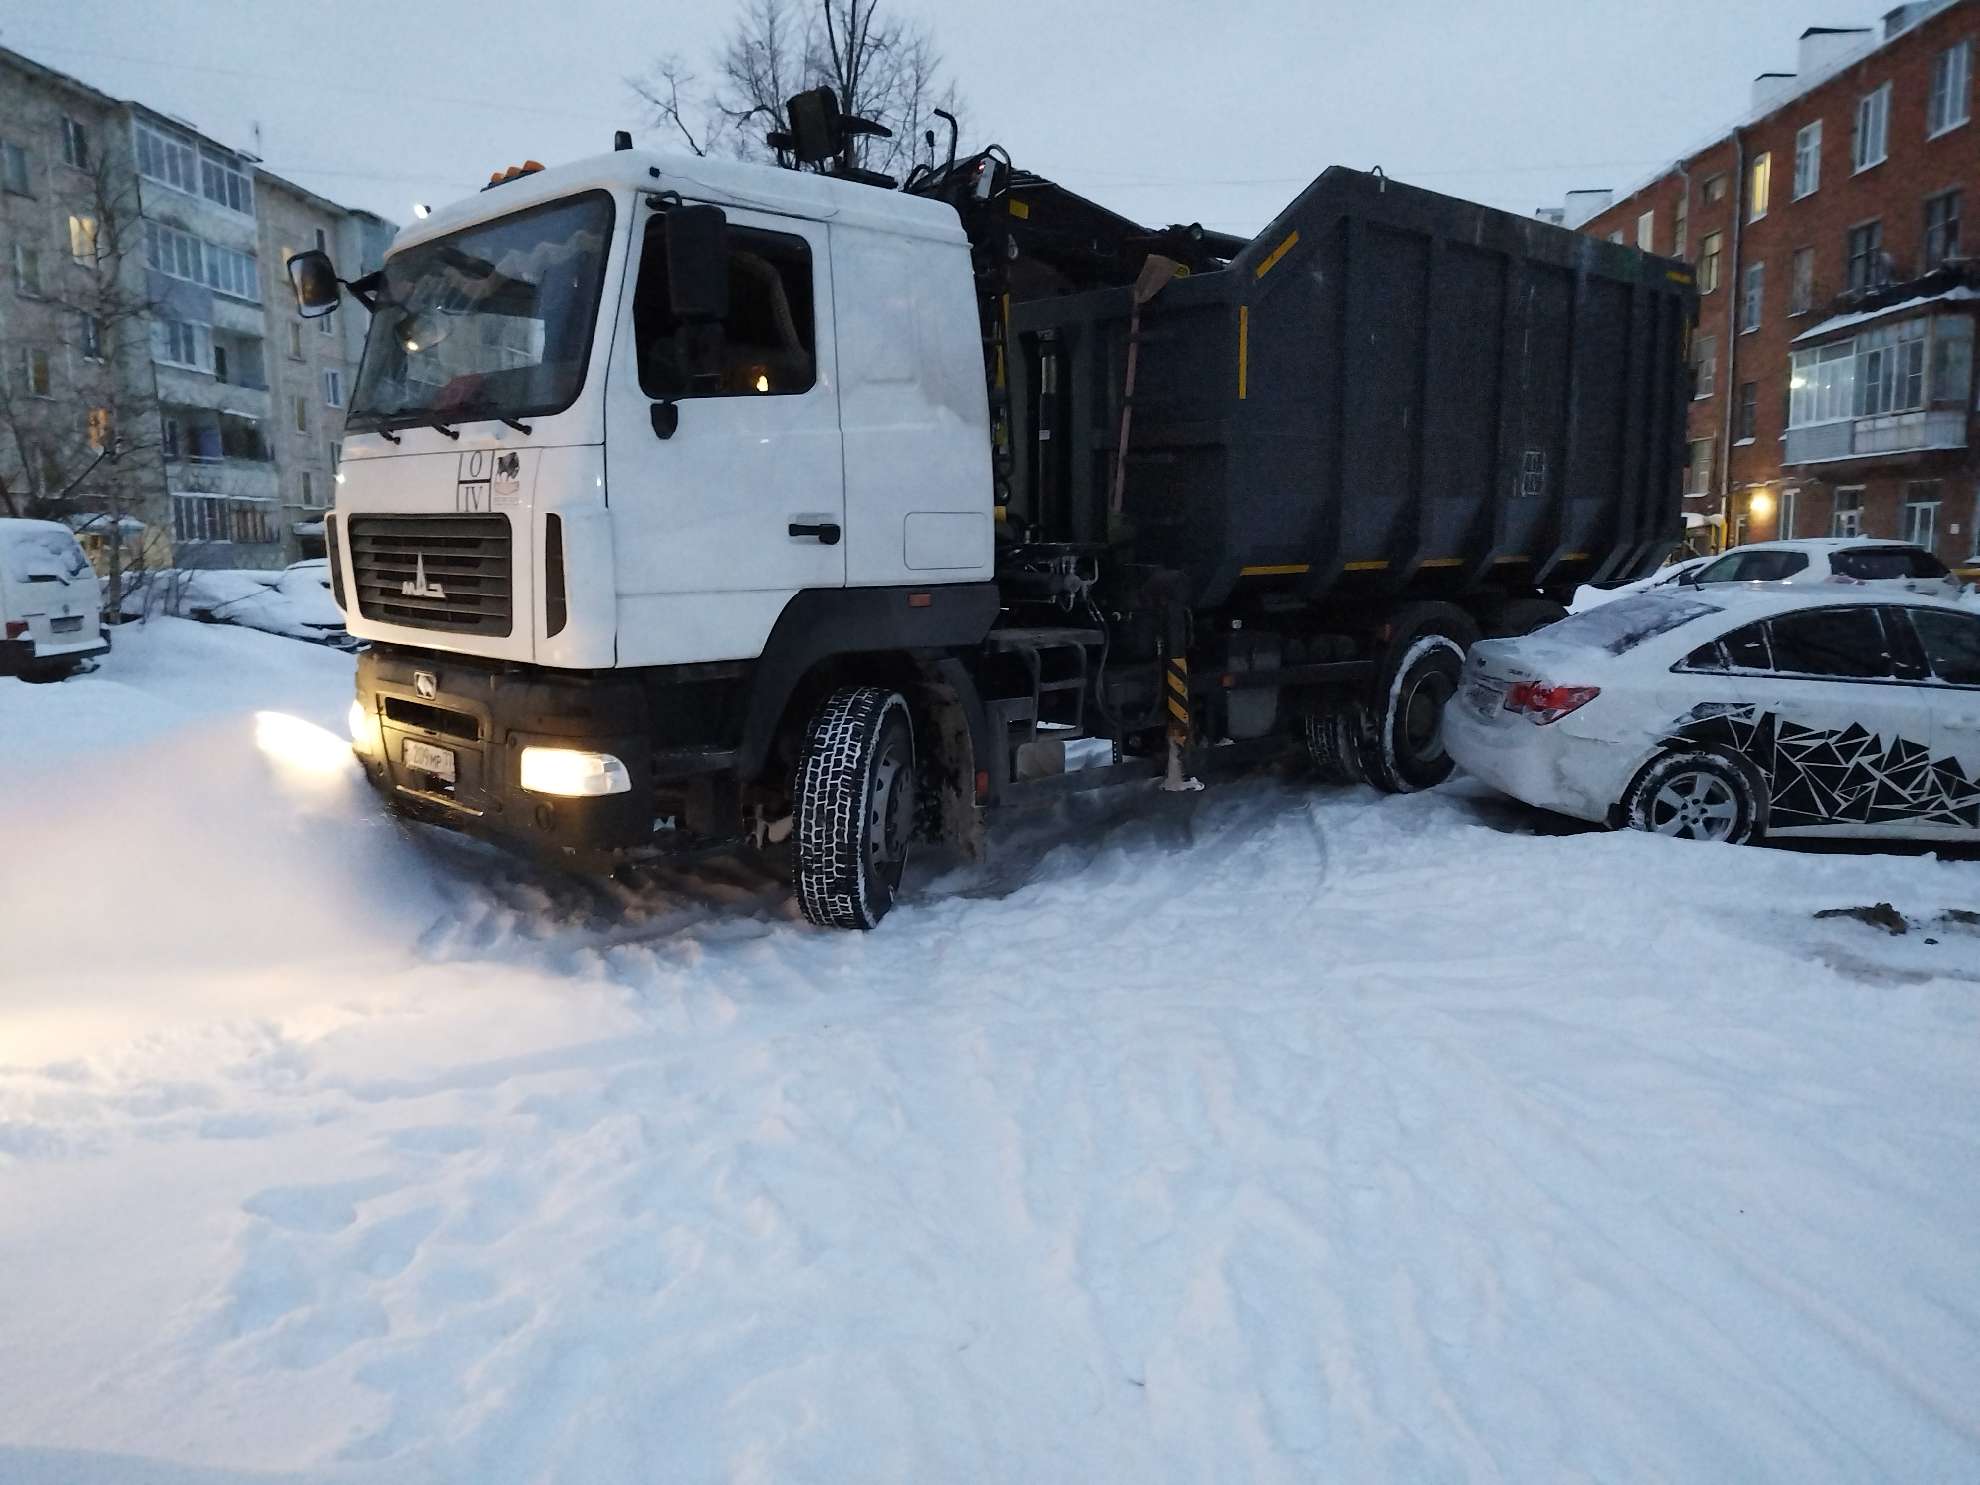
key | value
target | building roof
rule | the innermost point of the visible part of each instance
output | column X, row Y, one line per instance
column 47, row 74
column 1801, row 87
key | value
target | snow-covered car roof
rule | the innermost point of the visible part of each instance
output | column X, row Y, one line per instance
column 1768, row 598
column 1820, row 544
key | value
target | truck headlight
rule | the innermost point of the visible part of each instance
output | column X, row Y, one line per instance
column 366, row 735
column 573, row 773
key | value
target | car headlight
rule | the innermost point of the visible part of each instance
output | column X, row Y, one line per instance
column 573, row 773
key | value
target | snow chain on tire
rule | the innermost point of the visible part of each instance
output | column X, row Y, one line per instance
column 832, row 801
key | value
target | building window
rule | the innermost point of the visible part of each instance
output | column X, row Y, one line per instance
column 1921, row 513
column 82, row 239
column 13, row 169
column 1698, row 467
column 1801, row 281
column 1848, row 519
column 1681, row 214
column 1941, row 229
column 302, row 414
column 75, row 143
column 1752, row 298
column 1708, row 262
column 333, row 387
column 222, row 180
column 180, row 255
column 295, row 340
column 177, row 343
column 1904, row 368
column 1746, row 418
column 1784, row 526
column 308, row 488
column 1646, row 230
column 1890, row 369
column 202, row 518
column 89, row 337
column 166, row 158
column 1873, row 121
column 1759, row 176
column 1863, row 250
column 1705, row 364
column 326, row 324
column 27, row 270
column 322, row 242
column 96, row 428
column 1808, row 160
column 1952, row 82
column 1715, row 189
column 31, row 372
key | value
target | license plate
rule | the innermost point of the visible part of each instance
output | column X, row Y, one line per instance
column 428, row 759
column 71, row 625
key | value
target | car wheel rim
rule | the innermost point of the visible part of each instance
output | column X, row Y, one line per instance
column 1422, row 715
column 1695, row 806
column 890, row 811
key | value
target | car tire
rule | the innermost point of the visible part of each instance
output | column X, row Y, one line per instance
column 853, row 807
column 1402, row 744
column 1696, row 796
column 1524, row 615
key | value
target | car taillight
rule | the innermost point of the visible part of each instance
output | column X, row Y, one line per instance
column 1541, row 703
column 16, row 628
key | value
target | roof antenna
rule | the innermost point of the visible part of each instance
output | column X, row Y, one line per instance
column 622, row 139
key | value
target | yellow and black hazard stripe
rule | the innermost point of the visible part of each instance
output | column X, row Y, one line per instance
column 1178, row 698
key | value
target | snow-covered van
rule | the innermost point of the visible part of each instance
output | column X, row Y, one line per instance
column 51, row 608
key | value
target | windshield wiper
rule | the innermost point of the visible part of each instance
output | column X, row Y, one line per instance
column 473, row 411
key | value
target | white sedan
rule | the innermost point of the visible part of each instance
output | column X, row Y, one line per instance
column 1731, row 713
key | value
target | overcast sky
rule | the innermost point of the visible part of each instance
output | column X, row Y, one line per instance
column 1167, row 110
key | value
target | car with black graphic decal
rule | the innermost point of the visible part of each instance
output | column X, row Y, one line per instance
column 1732, row 713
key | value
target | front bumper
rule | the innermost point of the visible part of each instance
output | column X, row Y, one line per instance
column 484, row 714
column 18, row 656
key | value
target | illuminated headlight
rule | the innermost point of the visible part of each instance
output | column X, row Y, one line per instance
column 573, row 773
column 366, row 736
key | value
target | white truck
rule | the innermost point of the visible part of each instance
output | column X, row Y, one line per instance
column 689, row 505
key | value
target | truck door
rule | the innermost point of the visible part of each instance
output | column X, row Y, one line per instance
column 718, row 524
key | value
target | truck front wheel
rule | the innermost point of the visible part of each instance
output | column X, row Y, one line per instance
column 853, row 806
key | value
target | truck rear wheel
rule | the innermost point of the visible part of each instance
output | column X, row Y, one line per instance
column 853, row 807
column 1334, row 741
column 1404, row 745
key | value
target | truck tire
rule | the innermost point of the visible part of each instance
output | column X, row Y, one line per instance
column 1333, row 737
column 853, row 807
column 1524, row 615
column 1403, row 745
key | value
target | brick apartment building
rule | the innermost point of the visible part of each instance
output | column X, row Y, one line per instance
column 1834, row 388
column 145, row 308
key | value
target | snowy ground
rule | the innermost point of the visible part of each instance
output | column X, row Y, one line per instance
column 1268, row 1134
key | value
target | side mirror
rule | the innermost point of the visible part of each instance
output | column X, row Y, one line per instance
column 697, row 264
column 315, row 282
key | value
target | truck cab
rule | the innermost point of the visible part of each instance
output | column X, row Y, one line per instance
column 566, row 483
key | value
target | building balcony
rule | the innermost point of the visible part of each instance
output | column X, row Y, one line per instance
column 238, row 317
column 253, row 479
column 181, row 388
column 1877, row 437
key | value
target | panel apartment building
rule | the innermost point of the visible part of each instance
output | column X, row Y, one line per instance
column 1834, row 386
column 156, row 375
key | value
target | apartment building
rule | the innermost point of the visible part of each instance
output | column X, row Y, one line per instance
column 1833, row 358
column 158, row 378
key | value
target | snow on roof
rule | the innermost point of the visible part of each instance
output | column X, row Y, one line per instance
column 1958, row 293
column 1801, row 87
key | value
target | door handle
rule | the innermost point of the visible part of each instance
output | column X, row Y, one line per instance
column 827, row 532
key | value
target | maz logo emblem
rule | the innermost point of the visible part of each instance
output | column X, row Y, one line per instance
column 417, row 586
column 426, row 685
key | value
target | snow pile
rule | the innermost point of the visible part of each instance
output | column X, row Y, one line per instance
column 1266, row 1134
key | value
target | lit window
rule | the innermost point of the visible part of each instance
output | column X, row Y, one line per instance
column 82, row 239
column 1759, row 176
column 1708, row 262
column 1646, row 231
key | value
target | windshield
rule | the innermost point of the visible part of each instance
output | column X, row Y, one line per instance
column 44, row 557
column 491, row 321
column 1620, row 626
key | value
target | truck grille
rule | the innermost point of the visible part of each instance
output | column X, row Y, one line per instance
column 464, row 560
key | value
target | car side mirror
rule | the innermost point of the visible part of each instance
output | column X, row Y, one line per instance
column 1688, row 579
column 316, row 284
column 698, row 264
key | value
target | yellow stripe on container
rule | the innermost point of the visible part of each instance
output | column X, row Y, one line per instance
column 1276, row 569
column 1272, row 258
column 1375, row 566
column 1244, row 345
